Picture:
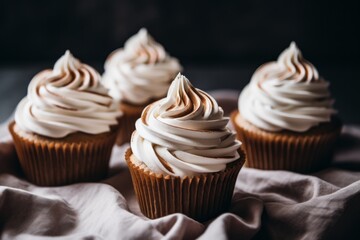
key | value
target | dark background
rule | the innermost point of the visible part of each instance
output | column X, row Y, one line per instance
column 220, row 43
column 195, row 31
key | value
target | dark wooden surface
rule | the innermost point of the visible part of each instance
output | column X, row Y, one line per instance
column 345, row 83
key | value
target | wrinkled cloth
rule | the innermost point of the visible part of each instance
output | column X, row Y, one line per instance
column 266, row 204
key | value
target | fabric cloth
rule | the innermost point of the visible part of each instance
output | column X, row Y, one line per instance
column 266, row 204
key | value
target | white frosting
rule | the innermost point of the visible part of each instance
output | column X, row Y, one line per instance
column 140, row 71
column 286, row 95
column 67, row 99
column 187, row 130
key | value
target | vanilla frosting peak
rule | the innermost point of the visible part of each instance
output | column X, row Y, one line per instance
column 292, row 66
column 144, row 45
column 141, row 71
column 184, row 134
column 287, row 94
column 66, row 99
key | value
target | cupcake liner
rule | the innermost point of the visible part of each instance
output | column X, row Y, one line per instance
column 199, row 197
column 54, row 162
column 299, row 152
column 127, row 122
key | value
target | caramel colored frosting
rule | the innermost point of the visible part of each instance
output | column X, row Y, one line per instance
column 184, row 134
column 141, row 71
column 66, row 99
column 287, row 94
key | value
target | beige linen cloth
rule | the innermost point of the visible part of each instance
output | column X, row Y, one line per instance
column 265, row 205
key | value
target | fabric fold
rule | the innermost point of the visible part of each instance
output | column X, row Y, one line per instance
column 265, row 204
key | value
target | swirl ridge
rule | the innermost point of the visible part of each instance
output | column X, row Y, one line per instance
column 287, row 94
column 141, row 71
column 66, row 99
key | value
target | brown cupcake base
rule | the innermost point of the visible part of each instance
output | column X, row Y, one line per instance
column 78, row 157
column 127, row 121
column 199, row 197
column 286, row 150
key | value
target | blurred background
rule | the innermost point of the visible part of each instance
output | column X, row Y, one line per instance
column 219, row 43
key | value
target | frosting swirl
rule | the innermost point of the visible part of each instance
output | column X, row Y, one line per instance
column 287, row 94
column 140, row 71
column 184, row 134
column 67, row 99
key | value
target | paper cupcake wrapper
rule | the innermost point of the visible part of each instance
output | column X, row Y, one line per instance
column 127, row 122
column 53, row 163
column 199, row 197
column 297, row 152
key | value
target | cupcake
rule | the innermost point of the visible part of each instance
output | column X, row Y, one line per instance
column 66, row 126
column 285, row 118
column 183, row 158
column 137, row 75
